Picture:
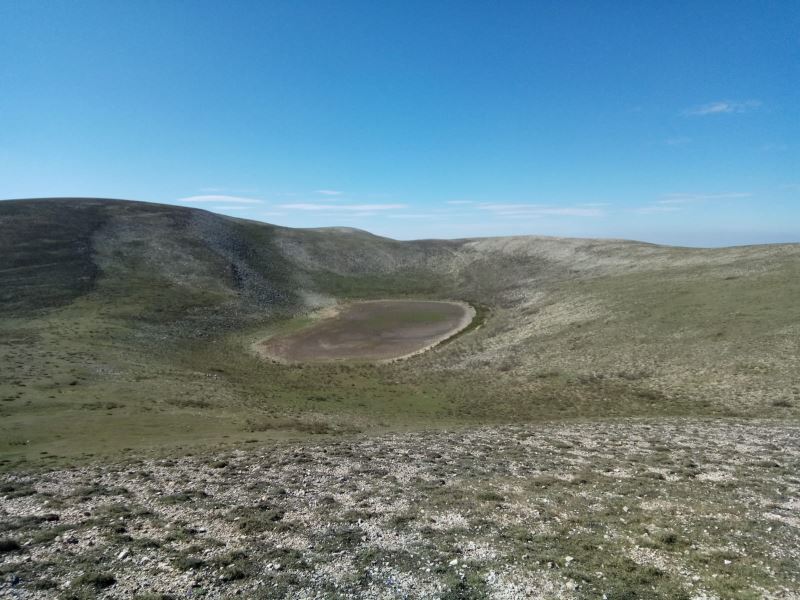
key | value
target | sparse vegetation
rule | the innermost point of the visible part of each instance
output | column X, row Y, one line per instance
column 95, row 579
column 653, row 393
column 516, row 511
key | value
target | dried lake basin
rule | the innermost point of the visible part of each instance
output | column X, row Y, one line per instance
column 375, row 330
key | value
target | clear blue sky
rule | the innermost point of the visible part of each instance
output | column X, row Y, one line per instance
column 675, row 122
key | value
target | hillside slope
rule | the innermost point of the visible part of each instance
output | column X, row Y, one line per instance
column 136, row 320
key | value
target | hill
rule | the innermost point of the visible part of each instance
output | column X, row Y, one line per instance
column 619, row 420
column 129, row 324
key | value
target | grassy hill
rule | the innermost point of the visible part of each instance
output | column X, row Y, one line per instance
column 130, row 325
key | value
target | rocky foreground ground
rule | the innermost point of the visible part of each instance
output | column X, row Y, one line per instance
column 677, row 509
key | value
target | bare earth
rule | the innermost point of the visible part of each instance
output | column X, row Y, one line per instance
column 373, row 330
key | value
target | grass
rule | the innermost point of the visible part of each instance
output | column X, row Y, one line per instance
column 98, row 580
column 653, row 393
column 150, row 357
column 218, row 389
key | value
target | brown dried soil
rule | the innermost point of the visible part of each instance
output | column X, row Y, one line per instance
column 373, row 330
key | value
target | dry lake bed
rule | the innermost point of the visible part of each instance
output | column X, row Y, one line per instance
column 372, row 330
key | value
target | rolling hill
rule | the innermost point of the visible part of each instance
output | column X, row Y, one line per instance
column 619, row 420
column 130, row 324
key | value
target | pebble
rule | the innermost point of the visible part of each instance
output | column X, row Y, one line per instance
column 137, row 570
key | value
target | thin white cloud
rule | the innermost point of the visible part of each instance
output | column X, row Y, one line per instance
column 678, row 141
column 495, row 206
column 773, row 147
column 414, row 216
column 683, row 198
column 678, row 201
column 539, row 210
column 330, row 192
column 573, row 212
column 219, row 198
column 529, row 214
column 723, row 107
column 646, row 210
column 342, row 207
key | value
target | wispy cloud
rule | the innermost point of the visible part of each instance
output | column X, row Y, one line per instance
column 414, row 216
column 678, row 141
column 539, row 210
column 330, row 192
column 684, row 198
column 220, row 198
column 773, row 147
column 342, row 207
column 495, row 206
column 722, row 107
column 572, row 212
column 678, row 201
column 646, row 210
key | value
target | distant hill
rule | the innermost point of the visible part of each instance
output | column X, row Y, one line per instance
column 153, row 307
column 53, row 251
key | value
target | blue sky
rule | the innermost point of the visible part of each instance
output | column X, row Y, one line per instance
column 672, row 122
